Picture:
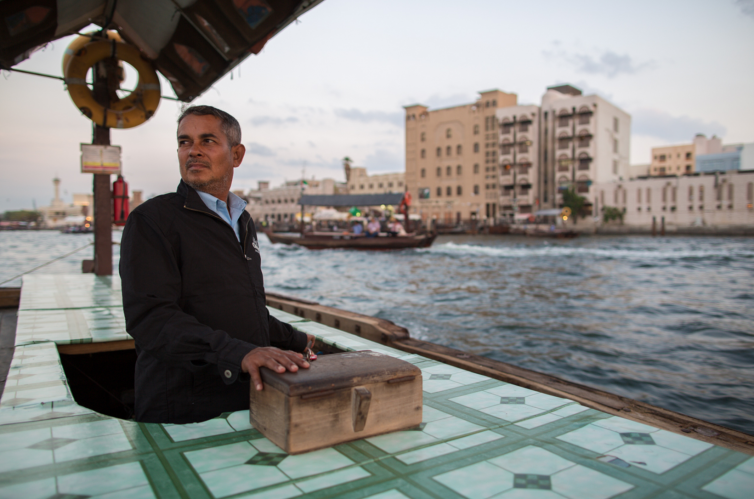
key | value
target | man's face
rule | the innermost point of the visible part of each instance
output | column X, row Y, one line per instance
column 206, row 159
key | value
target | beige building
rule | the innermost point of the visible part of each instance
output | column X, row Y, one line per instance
column 280, row 204
column 360, row 182
column 451, row 159
column 571, row 140
column 681, row 159
column 702, row 199
column 673, row 160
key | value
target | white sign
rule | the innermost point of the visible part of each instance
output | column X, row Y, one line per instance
column 100, row 159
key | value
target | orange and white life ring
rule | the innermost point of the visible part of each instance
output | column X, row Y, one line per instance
column 132, row 110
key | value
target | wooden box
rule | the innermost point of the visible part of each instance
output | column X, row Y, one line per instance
column 341, row 397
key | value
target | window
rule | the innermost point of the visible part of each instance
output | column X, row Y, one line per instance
column 448, row 133
column 505, row 148
column 638, row 195
column 701, row 193
column 424, row 153
column 458, row 149
column 458, row 190
column 476, row 189
column 459, row 169
column 449, row 191
column 389, row 184
column 563, row 143
column 439, row 152
column 476, row 146
column 439, row 192
column 615, row 145
column 524, row 126
column 649, row 195
column 673, row 194
column 476, row 129
column 371, row 186
column 615, row 124
column 476, row 168
column 691, row 193
column 615, row 167
column 423, row 136
column 379, row 185
column 361, row 186
column 400, row 184
column 523, row 146
column 563, row 121
column 749, row 193
column 688, row 155
column 584, row 119
column 424, row 193
column 448, row 171
column 439, row 171
column 424, row 172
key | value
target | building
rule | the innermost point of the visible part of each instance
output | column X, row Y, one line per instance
column 359, row 182
column 731, row 157
column 59, row 214
column 682, row 159
column 673, row 160
column 701, row 199
column 570, row 141
column 451, row 158
column 280, row 204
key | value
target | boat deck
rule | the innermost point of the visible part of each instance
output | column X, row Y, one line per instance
column 481, row 438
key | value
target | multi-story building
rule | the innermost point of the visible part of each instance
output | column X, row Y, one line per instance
column 451, row 158
column 714, row 199
column 359, row 182
column 682, row 159
column 570, row 141
column 280, row 204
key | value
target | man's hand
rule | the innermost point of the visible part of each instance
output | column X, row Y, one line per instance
column 272, row 358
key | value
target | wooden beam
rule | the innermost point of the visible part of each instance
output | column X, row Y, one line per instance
column 106, row 346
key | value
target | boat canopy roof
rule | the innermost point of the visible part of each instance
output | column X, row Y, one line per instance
column 548, row 213
column 193, row 43
column 351, row 199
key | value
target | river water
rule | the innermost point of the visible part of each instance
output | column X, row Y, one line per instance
column 667, row 320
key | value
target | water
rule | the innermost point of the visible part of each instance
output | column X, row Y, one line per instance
column 668, row 321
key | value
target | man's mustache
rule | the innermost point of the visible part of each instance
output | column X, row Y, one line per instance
column 190, row 162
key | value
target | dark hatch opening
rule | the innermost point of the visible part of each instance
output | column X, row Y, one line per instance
column 104, row 381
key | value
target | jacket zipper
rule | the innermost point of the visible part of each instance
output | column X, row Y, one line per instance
column 226, row 223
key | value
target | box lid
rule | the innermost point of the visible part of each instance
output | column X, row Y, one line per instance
column 339, row 371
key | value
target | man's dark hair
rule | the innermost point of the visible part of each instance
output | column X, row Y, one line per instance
column 228, row 123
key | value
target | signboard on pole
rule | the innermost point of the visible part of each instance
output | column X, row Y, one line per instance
column 100, row 159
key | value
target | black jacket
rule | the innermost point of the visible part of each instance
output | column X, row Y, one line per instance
column 194, row 302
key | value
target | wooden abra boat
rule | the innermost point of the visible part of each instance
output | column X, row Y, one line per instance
column 324, row 240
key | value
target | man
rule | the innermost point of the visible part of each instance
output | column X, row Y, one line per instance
column 373, row 227
column 193, row 294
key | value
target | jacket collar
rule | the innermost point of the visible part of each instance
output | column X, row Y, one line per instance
column 192, row 199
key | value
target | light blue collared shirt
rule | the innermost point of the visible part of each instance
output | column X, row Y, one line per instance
column 237, row 206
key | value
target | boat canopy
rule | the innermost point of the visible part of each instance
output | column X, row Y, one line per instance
column 193, row 43
column 548, row 213
column 351, row 199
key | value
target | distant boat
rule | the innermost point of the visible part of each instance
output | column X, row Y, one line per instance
column 325, row 240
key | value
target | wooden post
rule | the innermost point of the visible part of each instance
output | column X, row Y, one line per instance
column 104, row 77
column 662, row 226
column 654, row 226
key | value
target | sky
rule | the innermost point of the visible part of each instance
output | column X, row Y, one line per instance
column 335, row 83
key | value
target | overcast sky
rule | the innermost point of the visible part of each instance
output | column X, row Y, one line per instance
column 334, row 85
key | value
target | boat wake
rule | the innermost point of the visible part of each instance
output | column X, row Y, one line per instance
column 639, row 254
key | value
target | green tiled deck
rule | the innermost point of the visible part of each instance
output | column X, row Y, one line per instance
column 481, row 438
